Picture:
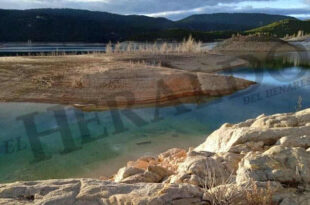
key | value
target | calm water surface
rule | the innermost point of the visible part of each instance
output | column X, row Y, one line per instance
column 117, row 140
column 39, row 143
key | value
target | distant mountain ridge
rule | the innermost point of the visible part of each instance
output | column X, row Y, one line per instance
column 70, row 25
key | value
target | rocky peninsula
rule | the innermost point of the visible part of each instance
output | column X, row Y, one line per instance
column 265, row 160
column 105, row 81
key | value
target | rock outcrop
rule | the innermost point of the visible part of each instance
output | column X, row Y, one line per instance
column 274, row 149
column 260, row 161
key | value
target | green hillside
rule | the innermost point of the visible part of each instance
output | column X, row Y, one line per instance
column 229, row 21
column 284, row 27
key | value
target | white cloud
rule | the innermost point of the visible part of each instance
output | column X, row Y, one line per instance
column 120, row 6
column 174, row 9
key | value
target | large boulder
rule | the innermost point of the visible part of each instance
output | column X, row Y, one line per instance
column 288, row 165
column 258, row 134
column 273, row 148
column 151, row 169
column 207, row 169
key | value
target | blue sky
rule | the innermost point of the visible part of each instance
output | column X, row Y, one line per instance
column 173, row 9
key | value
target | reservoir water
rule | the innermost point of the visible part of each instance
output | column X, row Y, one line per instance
column 41, row 141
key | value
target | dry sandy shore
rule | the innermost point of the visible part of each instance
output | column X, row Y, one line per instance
column 104, row 81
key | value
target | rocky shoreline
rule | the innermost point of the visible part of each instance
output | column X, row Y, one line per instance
column 265, row 160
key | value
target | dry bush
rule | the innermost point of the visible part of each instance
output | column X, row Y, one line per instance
column 187, row 46
column 259, row 196
column 300, row 33
column 117, row 48
column 232, row 194
column 220, row 190
column 223, row 190
column 42, row 81
column 109, row 48
column 47, row 81
column 77, row 83
column 130, row 48
column 190, row 46
column 224, row 195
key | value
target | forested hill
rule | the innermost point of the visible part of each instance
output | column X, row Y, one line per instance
column 284, row 27
column 229, row 21
column 70, row 25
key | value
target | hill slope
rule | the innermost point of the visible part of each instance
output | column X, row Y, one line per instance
column 229, row 21
column 284, row 27
column 69, row 25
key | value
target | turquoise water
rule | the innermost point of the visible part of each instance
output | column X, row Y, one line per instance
column 137, row 132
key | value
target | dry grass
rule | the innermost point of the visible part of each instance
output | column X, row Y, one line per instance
column 77, row 83
column 47, row 81
column 259, row 196
column 299, row 35
column 187, row 46
column 223, row 190
column 232, row 194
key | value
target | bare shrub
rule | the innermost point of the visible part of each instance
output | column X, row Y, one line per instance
column 228, row 194
column 300, row 33
column 225, row 191
column 164, row 48
column 259, row 196
column 130, row 48
column 109, row 48
column 117, row 48
column 47, row 81
column 77, row 83
column 233, row 194
column 187, row 46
